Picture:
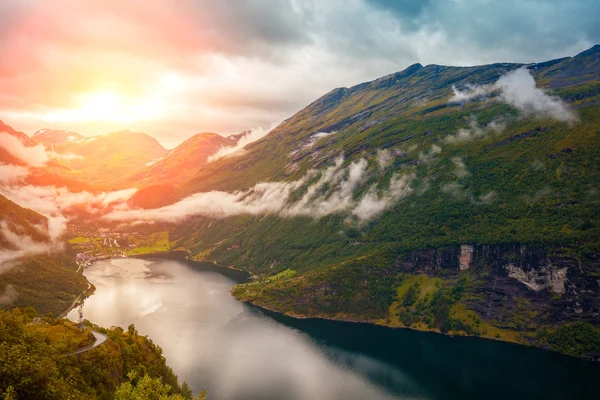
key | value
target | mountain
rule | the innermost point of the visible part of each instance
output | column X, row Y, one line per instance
column 473, row 216
column 54, row 136
column 104, row 160
column 159, row 178
column 20, row 135
column 34, row 271
column 460, row 200
column 185, row 159
column 6, row 156
column 125, row 365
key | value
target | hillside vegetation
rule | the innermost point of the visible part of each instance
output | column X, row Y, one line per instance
column 521, row 187
column 34, row 271
column 126, row 366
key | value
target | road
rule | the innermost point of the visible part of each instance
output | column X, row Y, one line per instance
column 100, row 338
column 77, row 299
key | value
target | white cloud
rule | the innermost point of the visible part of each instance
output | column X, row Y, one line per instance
column 384, row 158
column 63, row 156
column 431, row 154
column 54, row 202
column 460, row 170
column 8, row 296
column 518, row 88
column 475, row 131
column 471, row 93
column 34, row 155
column 332, row 192
column 313, row 139
column 252, row 136
column 10, row 173
column 372, row 204
column 21, row 246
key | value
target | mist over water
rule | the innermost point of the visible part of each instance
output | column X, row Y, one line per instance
column 235, row 351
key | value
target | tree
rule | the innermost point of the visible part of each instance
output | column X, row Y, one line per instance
column 149, row 389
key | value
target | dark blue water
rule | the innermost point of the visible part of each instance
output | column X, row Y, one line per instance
column 237, row 351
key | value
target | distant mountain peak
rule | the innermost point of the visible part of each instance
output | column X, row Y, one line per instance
column 589, row 52
column 56, row 136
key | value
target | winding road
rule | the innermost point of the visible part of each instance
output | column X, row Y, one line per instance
column 100, row 338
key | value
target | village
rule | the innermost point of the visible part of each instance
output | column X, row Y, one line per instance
column 105, row 245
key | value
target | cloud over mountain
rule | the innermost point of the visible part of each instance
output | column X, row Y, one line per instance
column 223, row 66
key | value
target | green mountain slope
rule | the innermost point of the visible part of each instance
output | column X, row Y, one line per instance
column 34, row 272
column 496, row 235
column 33, row 365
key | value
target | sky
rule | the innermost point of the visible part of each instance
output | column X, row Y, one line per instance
column 173, row 68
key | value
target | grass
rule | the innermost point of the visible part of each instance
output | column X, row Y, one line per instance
column 80, row 240
column 130, row 245
column 288, row 273
column 156, row 242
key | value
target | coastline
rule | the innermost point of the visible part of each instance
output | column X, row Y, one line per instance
column 78, row 300
column 268, row 310
column 186, row 256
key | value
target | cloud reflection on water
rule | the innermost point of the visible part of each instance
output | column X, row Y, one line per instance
column 213, row 341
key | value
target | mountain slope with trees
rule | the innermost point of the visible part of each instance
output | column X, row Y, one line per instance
column 497, row 237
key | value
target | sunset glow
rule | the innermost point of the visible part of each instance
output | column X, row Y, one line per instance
column 173, row 69
column 109, row 106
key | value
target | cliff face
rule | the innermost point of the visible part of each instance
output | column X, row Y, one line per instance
column 560, row 289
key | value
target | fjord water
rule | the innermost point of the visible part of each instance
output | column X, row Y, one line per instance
column 236, row 351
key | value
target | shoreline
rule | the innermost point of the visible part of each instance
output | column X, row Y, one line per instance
column 78, row 300
column 185, row 255
column 300, row 317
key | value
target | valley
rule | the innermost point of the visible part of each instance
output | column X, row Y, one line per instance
column 451, row 200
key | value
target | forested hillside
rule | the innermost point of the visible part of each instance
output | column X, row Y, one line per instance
column 443, row 198
column 34, row 362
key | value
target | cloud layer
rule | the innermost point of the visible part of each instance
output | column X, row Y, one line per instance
column 518, row 88
column 185, row 66
column 20, row 246
column 34, row 156
column 251, row 136
column 317, row 194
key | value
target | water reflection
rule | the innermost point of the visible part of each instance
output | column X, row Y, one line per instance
column 213, row 341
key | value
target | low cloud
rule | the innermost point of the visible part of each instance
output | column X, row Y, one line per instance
column 488, row 198
column 55, row 203
column 460, row 169
column 471, row 93
column 431, row 154
column 313, row 139
column 10, row 173
column 34, row 156
column 20, row 246
column 374, row 204
column 476, row 131
column 458, row 192
column 384, row 158
column 518, row 89
column 8, row 296
column 250, row 137
column 316, row 194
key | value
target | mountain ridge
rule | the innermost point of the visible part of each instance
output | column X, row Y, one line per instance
column 391, row 202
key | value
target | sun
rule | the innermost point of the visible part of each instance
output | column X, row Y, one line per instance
column 109, row 106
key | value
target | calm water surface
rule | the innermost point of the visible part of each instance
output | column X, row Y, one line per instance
column 235, row 351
